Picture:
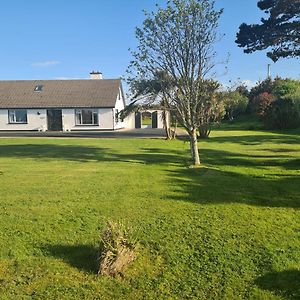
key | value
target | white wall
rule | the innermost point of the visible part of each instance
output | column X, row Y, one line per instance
column 129, row 121
column 35, row 121
column 119, row 106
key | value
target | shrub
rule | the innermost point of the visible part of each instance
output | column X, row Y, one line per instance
column 261, row 103
column 235, row 104
column 117, row 249
column 283, row 114
column 287, row 89
column 212, row 112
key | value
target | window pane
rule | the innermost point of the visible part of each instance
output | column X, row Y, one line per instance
column 95, row 118
column 21, row 116
column 78, row 117
column 11, row 114
column 87, row 117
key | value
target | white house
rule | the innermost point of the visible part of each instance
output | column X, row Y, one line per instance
column 62, row 105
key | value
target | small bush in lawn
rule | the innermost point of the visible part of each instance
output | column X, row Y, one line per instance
column 117, row 249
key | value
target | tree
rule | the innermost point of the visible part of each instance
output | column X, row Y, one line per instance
column 235, row 104
column 149, row 91
column 280, row 32
column 212, row 107
column 179, row 40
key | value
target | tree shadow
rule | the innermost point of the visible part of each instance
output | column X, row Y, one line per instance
column 213, row 186
column 285, row 283
column 206, row 185
column 91, row 154
column 81, row 257
column 249, row 140
column 225, row 158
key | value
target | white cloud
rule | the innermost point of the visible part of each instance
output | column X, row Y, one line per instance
column 249, row 83
column 44, row 64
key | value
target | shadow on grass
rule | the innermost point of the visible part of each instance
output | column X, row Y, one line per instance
column 257, row 139
column 82, row 257
column 286, row 283
column 212, row 186
column 206, row 185
column 90, row 154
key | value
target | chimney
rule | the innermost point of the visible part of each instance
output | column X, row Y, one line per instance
column 96, row 75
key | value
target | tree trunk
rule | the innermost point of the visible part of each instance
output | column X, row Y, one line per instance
column 174, row 131
column 166, row 125
column 194, row 147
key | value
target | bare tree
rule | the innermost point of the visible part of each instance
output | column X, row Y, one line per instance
column 179, row 40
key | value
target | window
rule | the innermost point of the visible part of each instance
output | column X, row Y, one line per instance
column 38, row 88
column 17, row 116
column 86, row 117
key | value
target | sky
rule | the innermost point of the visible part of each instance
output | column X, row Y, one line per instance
column 66, row 39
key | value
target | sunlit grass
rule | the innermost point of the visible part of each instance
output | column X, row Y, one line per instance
column 227, row 230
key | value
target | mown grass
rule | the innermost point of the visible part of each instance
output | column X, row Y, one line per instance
column 229, row 230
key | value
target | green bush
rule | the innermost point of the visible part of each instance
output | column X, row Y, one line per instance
column 235, row 104
column 277, row 103
column 283, row 114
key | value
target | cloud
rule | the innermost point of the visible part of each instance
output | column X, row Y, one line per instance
column 249, row 83
column 44, row 64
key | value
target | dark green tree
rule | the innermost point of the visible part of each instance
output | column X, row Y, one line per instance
column 280, row 32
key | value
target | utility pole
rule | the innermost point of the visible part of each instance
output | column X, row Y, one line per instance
column 269, row 71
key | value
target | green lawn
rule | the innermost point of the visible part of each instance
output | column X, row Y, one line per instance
column 229, row 230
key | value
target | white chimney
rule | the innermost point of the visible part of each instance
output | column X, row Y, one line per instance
column 96, row 75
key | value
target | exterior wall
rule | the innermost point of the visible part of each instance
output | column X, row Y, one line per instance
column 36, row 120
column 118, row 107
column 160, row 123
column 105, row 116
column 130, row 121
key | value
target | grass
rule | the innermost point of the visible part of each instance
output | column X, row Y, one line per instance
column 229, row 230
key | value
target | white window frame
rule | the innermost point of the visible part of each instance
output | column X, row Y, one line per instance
column 12, row 116
column 78, row 113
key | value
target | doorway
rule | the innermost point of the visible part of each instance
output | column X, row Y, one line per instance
column 54, row 119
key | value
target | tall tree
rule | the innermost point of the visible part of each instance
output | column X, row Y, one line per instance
column 179, row 40
column 280, row 32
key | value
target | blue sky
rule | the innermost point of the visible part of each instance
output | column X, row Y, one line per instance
column 53, row 39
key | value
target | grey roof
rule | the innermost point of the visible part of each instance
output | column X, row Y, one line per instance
column 59, row 93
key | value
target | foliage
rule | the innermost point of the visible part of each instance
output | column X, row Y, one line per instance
column 261, row 103
column 284, row 113
column 179, row 41
column 276, row 102
column 146, row 92
column 216, row 232
column 279, row 33
column 286, row 88
column 211, row 108
column 235, row 104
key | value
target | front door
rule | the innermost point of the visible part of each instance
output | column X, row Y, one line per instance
column 54, row 117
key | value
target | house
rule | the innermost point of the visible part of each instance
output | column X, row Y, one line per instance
column 62, row 105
